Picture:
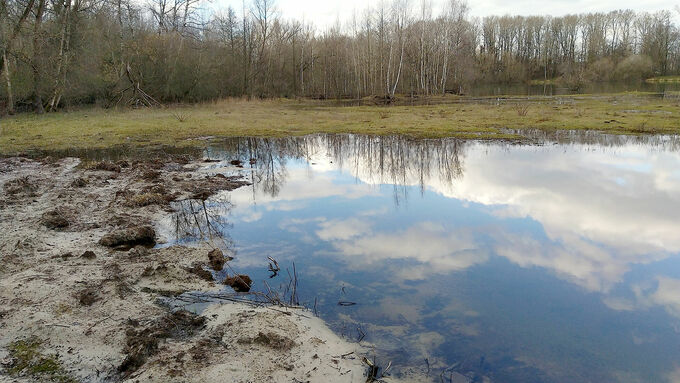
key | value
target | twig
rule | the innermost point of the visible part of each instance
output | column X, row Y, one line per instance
column 361, row 334
column 89, row 329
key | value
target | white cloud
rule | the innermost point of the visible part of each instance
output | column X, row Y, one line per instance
column 295, row 193
column 434, row 248
column 674, row 376
column 667, row 295
column 342, row 229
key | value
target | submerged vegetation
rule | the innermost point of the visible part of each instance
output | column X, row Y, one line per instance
column 446, row 116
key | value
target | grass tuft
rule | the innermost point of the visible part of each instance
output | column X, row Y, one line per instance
column 28, row 360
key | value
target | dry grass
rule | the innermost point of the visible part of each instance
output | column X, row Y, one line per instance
column 457, row 117
column 522, row 109
column 146, row 199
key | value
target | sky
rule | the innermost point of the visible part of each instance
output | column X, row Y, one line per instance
column 324, row 13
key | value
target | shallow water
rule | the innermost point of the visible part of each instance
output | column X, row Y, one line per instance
column 546, row 263
column 553, row 90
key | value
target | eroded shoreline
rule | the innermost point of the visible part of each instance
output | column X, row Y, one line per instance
column 80, row 285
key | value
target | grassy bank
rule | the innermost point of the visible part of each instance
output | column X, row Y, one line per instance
column 483, row 118
column 664, row 80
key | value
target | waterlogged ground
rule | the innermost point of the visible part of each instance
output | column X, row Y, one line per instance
column 469, row 261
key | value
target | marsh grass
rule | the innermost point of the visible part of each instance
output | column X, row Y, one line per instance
column 664, row 80
column 180, row 116
column 478, row 118
column 522, row 109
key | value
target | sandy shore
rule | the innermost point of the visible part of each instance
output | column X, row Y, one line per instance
column 81, row 289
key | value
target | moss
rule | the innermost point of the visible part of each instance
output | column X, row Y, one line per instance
column 28, row 360
column 444, row 116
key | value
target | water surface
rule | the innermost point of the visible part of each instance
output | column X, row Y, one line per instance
column 545, row 263
column 554, row 90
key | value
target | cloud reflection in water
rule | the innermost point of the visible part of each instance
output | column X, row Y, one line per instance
column 426, row 221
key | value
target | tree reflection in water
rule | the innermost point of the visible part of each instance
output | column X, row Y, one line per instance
column 395, row 160
column 198, row 220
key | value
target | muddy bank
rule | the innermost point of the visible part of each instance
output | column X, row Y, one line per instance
column 82, row 287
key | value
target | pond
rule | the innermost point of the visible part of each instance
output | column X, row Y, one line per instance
column 468, row 261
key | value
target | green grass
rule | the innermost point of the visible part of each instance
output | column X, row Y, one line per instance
column 485, row 118
column 664, row 80
column 30, row 361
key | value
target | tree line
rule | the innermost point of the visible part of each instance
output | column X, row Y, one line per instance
column 56, row 53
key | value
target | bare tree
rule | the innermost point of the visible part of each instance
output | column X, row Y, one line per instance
column 8, row 45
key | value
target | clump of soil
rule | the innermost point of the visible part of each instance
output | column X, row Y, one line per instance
column 106, row 166
column 21, row 186
column 240, row 283
column 89, row 254
column 216, row 259
column 138, row 251
column 270, row 339
column 79, row 182
column 202, row 273
column 143, row 343
column 55, row 219
column 88, row 296
column 150, row 174
column 130, row 237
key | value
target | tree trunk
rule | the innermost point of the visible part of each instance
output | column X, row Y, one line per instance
column 4, row 69
column 60, row 78
column 37, row 79
column 8, row 79
column 401, row 60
